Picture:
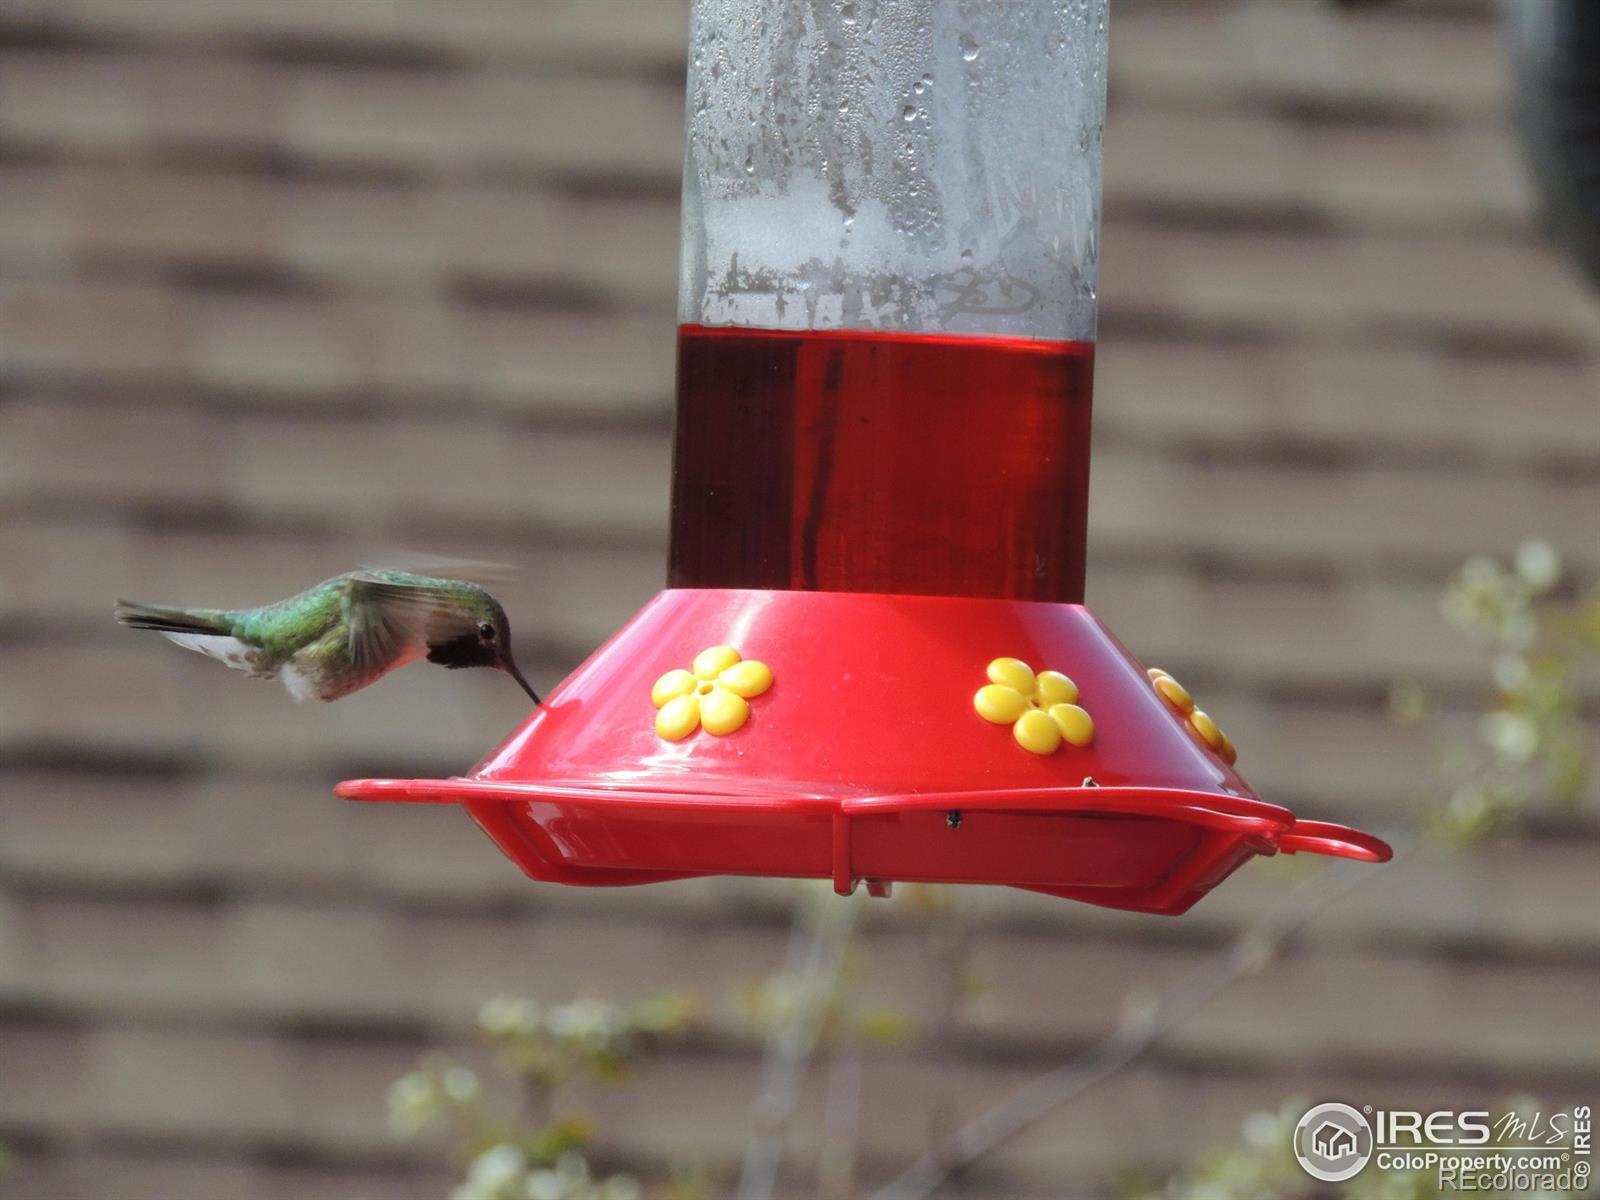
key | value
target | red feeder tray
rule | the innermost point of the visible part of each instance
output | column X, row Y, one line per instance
column 866, row 758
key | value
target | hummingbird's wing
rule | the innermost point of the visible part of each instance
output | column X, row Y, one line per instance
column 385, row 614
column 417, row 562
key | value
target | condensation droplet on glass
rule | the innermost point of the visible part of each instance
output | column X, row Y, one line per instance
column 999, row 166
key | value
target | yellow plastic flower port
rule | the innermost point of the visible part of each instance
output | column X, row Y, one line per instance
column 1041, row 709
column 713, row 695
column 1204, row 725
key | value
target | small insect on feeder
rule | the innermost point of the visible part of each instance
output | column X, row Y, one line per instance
column 873, row 661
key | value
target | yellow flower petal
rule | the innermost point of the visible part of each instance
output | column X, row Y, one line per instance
column 1157, row 673
column 1206, row 728
column 708, row 664
column 1056, row 688
column 678, row 718
column 723, row 711
column 1000, row 704
column 1012, row 673
column 1076, row 725
column 1175, row 693
column 1035, row 731
column 1230, row 755
column 747, row 679
column 672, row 685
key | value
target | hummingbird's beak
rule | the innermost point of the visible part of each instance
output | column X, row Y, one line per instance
column 510, row 669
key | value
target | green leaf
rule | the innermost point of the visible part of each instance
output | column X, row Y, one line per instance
column 559, row 1138
column 884, row 1025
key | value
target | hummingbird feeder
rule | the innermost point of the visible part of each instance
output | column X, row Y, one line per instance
column 872, row 661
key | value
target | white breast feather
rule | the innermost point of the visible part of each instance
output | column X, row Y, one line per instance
column 300, row 684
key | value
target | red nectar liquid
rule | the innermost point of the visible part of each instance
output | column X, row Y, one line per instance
column 869, row 462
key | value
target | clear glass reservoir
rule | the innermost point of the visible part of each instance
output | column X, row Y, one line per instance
column 887, row 297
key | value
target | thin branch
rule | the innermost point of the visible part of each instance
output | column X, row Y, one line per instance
column 815, row 958
column 1248, row 952
column 841, row 1117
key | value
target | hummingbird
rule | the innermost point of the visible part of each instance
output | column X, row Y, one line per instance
column 346, row 632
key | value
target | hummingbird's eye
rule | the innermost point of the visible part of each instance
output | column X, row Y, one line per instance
column 486, row 632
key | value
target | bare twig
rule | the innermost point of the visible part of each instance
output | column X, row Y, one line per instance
column 1142, row 1028
column 815, row 958
column 836, row 1163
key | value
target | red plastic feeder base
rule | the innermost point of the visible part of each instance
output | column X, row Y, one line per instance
column 838, row 735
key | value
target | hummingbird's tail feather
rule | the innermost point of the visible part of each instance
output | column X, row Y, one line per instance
column 207, row 631
column 167, row 619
